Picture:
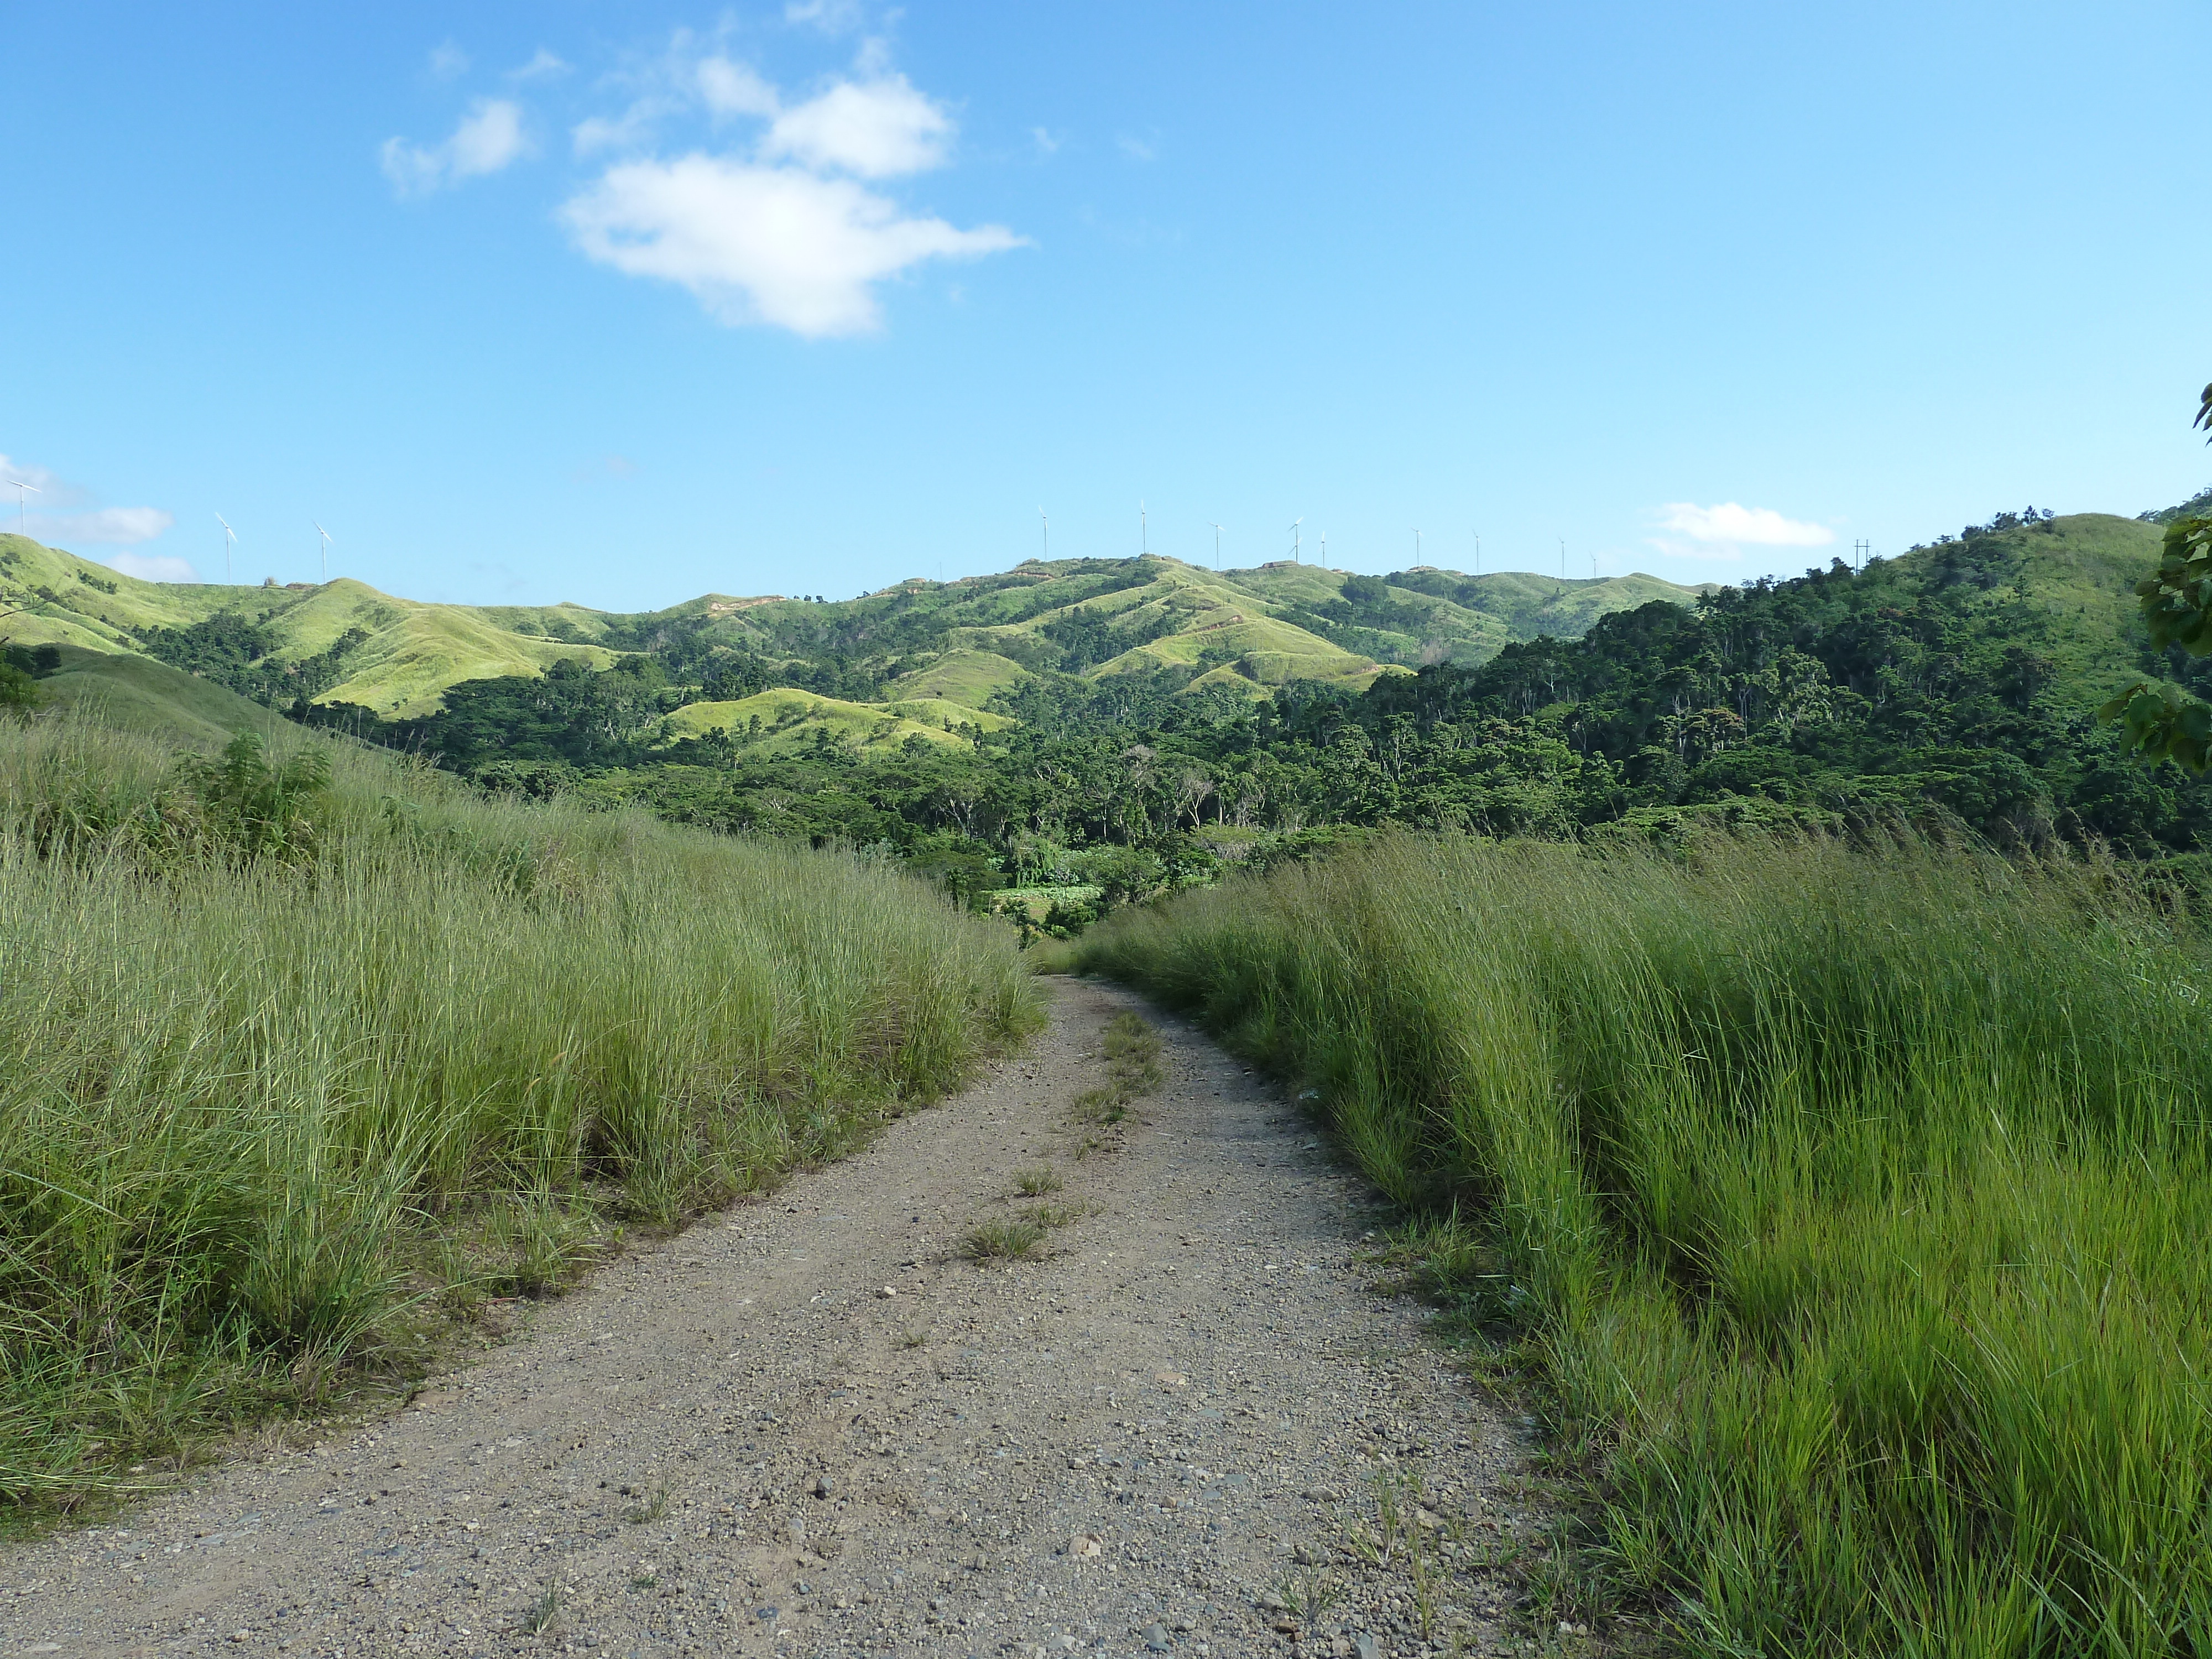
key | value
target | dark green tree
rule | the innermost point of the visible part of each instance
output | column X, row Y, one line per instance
column 2157, row 721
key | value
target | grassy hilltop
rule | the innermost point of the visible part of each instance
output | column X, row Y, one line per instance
column 393, row 655
column 343, row 643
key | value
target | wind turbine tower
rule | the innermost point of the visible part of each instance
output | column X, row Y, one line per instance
column 1217, row 544
column 1478, row 552
column 1417, row 544
column 1298, row 555
column 23, row 522
column 229, row 536
column 327, row 539
column 1048, row 534
column 1144, row 533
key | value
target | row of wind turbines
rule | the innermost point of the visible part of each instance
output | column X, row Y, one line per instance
column 24, row 489
column 230, row 538
column 1297, row 546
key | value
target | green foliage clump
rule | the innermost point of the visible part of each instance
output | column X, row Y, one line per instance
column 241, row 653
column 288, row 1039
column 1849, row 1203
column 253, row 807
column 2158, row 722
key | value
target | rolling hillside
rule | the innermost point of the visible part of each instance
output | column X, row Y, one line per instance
column 395, row 656
column 962, row 642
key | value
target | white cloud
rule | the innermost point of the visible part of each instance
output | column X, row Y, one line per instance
column 1730, row 524
column 1045, row 141
column 733, row 89
column 110, row 526
column 1138, row 149
column 763, row 244
column 448, row 60
column 627, row 130
column 47, row 490
column 490, row 137
column 830, row 16
column 879, row 128
column 542, row 63
column 153, row 568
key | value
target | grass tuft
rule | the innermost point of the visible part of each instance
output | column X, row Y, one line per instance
column 1132, row 1050
column 541, row 1615
column 1038, row 1182
column 1003, row 1241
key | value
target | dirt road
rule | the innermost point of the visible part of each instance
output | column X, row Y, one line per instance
column 811, row 1426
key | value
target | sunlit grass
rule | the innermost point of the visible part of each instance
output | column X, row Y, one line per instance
column 251, row 1112
column 1853, row 1204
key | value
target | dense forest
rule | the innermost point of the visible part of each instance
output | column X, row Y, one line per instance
column 1957, row 683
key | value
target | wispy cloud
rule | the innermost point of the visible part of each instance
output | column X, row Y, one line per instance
column 542, row 65
column 1136, row 148
column 733, row 89
column 47, row 516
column 1730, row 524
column 780, row 230
column 830, row 16
column 111, row 527
column 153, row 567
column 447, row 60
column 490, row 137
column 51, row 491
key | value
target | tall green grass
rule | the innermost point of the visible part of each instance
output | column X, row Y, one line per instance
column 263, row 1089
column 1855, row 1204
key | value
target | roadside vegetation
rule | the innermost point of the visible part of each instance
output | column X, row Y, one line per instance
column 305, row 1050
column 1847, row 1204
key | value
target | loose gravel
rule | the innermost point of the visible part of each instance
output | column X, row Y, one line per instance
column 813, row 1426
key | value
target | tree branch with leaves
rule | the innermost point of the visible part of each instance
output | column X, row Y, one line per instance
column 2158, row 722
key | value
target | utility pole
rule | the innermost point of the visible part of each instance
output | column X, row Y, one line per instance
column 1859, row 551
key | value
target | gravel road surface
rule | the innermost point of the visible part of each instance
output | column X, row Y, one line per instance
column 811, row 1426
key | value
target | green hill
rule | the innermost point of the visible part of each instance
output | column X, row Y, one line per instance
column 135, row 694
column 395, row 656
column 786, row 721
column 963, row 643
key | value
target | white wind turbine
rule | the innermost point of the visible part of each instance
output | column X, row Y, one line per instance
column 1144, row 532
column 1217, row 544
column 1297, row 557
column 22, row 523
column 1417, row 543
column 327, row 539
column 229, row 536
column 1048, row 535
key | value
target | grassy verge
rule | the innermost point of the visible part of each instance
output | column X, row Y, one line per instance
column 292, row 1055
column 1853, row 1207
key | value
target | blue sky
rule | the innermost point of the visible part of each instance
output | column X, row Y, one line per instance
column 623, row 304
